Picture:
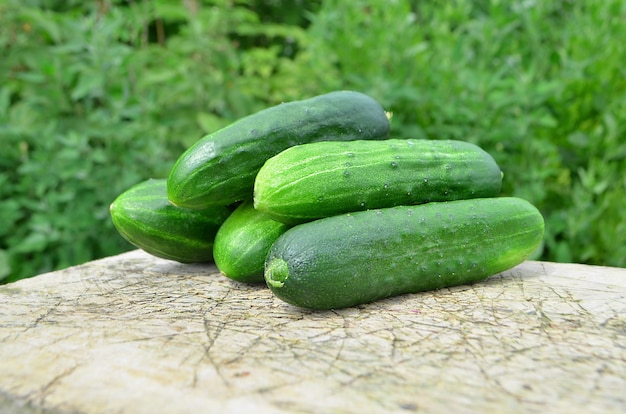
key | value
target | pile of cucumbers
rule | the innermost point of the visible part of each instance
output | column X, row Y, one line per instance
column 315, row 199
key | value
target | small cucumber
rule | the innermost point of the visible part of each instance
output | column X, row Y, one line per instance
column 360, row 257
column 144, row 217
column 220, row 168
column 243, row 241
column 322, row 179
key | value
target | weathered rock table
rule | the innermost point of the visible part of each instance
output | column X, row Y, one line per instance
column 137, row 334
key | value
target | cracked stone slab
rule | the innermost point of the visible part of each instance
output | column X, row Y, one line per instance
column 137, row 334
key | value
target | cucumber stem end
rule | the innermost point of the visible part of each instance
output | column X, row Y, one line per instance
column 276, row 273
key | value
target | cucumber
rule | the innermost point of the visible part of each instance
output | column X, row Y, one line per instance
column 144, row 217
column 323, row 179
column 243, row 241
column 360, row 257
column 220, row 168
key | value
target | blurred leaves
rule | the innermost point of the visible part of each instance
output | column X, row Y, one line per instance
column 528, row 81
column 97, row 96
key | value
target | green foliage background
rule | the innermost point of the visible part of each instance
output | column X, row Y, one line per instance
column 97, row 96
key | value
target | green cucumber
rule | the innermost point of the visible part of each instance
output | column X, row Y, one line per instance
column 360, row 257
column 243, row 241
column 144, row 216
column 322, row 179
column 220, row 168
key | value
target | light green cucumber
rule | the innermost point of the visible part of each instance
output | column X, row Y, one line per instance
column 360, row 257
column 322, row 179
column 242, row 243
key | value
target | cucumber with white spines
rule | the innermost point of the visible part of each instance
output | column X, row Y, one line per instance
column 322, row 179
column 357, row 258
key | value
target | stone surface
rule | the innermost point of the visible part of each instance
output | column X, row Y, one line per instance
column 137, row 334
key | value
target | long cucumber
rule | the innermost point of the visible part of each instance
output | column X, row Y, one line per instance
column 220, row 168
column 360, row 257
column 322, row 179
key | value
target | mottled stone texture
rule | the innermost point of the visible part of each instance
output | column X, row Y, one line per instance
column 137, row 334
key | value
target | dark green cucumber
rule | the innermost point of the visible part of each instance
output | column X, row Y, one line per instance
column 360, row 257
column 144, row 216
column 220, row 168
column 243, row 241
column 322, row 179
